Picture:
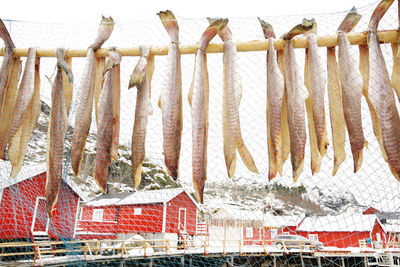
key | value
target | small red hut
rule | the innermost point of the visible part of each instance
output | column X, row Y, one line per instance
column 145, row 212
column 23, row 213
column 344, row 230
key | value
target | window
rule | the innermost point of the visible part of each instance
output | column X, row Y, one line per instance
column 80, row 213
column 285, row 233
column 137, row 211
column 274, row 233
column 313, row 237
column 378, row 237
column 249, row 232
column 97, row 215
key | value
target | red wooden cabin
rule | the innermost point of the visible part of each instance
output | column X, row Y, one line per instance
column 23, row 213
column 272, row 226
column 344, row 230
column 156, row 211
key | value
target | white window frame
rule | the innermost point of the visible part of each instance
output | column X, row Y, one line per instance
column 274, row 233
column 97, row 215
column 249, row 232
column 137, row 211
column 35, row 215
column 179, row 219
column 80, row 212
column 378, row 237
column 313, row 237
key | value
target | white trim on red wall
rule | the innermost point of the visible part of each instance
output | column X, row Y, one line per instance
column 164, row 223
column 78, row 216
column 1, row 195
column 34, row 217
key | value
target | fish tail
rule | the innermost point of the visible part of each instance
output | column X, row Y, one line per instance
column 358, row 159
column 211, row 31
column 350, row 21
column 297, row 170
column 199, row 189
column 60, row 53
column 5, row 35
column 169, row 21
column 225, row 33
column 139, row 72
column 302, row 28
column 267, row 29
column 245, row 155
column 378, row 14
column 137, row 174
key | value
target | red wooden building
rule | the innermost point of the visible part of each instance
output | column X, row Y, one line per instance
column 344, row 230
column 23, row 213
column 272, row 226
column 157, row 211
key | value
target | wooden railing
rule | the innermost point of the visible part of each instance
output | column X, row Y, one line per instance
column 91, row 248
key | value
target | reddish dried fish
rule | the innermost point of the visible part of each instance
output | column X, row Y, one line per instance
column 141, row 78
column 351, row 84
column 380, row 92
column 170, row 100
column 295, row 97
column 11, row 91
column 275, row 90
column 105, row 29
column 232, row 95
column 316, row 88
column 105, row 124
column 83, row 117
column 55, row 137
column 19, row 144
column 198, row 99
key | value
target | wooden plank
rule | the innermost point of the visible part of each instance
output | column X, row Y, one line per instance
column 355, row 38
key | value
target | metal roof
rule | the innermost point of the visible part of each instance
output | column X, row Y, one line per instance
column 345, row 222
column 27, row 172
column 139, row 197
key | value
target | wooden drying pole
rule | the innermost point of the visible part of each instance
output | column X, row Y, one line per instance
column 355, row 38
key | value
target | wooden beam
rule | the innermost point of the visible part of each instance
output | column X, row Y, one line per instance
column 355, row 38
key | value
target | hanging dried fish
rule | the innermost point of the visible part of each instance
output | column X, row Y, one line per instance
column 19, row 143
column 311, row 65
column 83, row 117
column 67, row 80
column 116, row 110
column 275, row 90
column 380, row 92
column 295, row 97
column 105, row 124
column 55, row 136
column 9, row 75
column 170, row 101
column 335, row 95
column 280, row 56
column 141, row 78
column 232, row 95
column 198, row 99
column 351, row 84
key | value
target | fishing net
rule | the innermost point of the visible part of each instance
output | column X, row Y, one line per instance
column 354, row 215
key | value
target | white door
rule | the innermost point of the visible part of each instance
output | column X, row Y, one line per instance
column 40, row 220
column 182, row 220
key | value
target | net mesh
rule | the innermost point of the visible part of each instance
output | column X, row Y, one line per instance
column 349, row 212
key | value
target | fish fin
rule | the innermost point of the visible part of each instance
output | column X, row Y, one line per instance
column 159, row 103
column 267, row 29
column 350, row 21
column 302, row 28
column 138, row 175
column 170, row 24
column 245, row 154
column 358, row 159
column 210, row 32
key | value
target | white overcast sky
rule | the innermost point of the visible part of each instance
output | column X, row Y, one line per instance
column 74, row 10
